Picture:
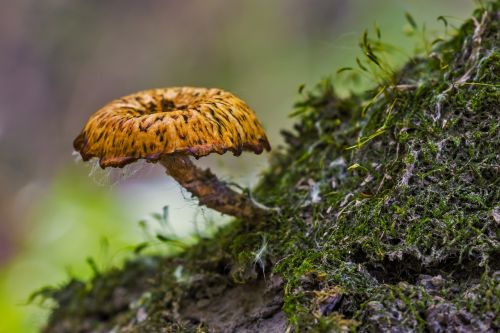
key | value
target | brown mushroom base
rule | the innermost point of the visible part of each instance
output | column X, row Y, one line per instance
column 209, row 190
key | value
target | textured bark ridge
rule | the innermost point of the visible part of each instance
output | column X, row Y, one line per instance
column 209, row 190
column 248, row 308
column 389, row 218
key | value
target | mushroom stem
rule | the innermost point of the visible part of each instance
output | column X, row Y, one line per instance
column 209, row 190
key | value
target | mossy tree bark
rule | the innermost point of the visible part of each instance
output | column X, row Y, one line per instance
column 389, row 219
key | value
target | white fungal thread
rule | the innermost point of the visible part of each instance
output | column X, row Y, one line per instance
column 315, row 193
column 338, row 162
column 439, row 104
column 472, row 59
column 409, row 171
column 480, row 62
column 111, row 177
column 440, row 145
column 98, row 175
column 76, row 156
column 259, row 257
column 368, row 179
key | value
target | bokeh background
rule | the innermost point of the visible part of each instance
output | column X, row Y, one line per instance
column 61, row 60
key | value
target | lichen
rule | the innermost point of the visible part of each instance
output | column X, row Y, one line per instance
column 389, row 217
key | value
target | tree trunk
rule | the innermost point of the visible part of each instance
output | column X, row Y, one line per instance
column 388, row 217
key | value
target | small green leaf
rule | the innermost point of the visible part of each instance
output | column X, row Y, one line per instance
column 344, row 69
column 361, row 65
column 164, row 238
column 138, row 249
column 442, row 19
column 301, row 88
column 157, row 216
column 437, row 40
column 357, row 166
column 411, row 20
column 299, row 111
column 370, row 55
column 377, row 31
column 93, row 265
column 164, row 216
column 365, row 38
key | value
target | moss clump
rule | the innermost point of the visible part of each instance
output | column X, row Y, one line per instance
column 389, row 218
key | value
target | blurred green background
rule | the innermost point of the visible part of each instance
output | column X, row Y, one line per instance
column 61, row 60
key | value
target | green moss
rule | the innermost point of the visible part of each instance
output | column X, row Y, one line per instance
column 386, row 198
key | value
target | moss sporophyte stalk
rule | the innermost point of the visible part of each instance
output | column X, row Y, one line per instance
column 169, row 125
column 389, row 217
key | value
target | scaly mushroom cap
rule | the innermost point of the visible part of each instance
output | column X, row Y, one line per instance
column 153, row 123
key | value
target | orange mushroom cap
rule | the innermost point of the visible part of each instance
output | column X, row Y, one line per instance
column 159, row 122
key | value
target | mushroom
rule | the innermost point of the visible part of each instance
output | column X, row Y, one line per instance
column 168, row 126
